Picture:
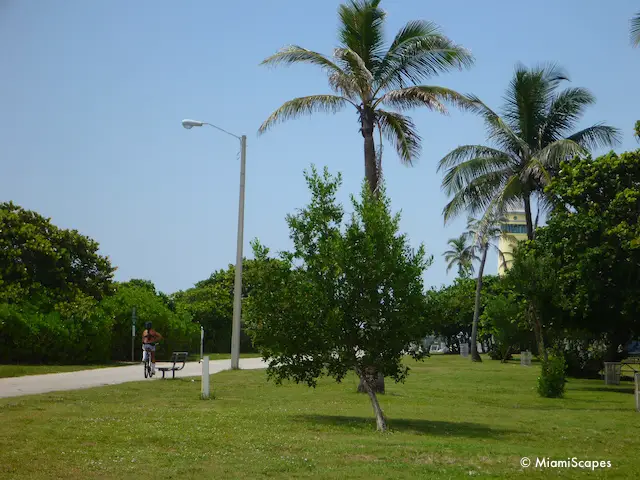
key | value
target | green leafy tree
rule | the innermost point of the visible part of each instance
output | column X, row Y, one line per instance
column 460, row 255
column 592, row 244
column 533, row 133
column 449, row 312
column 533, row 275
column 376, row 79
column 503, row 320
column 484, row 233
column 178, row 330
column 50, row 266
column 210, row 304
column 345, row 300
column 635, row 30
column 637, row 130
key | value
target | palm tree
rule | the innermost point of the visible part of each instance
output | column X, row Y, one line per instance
column 530, row 139
column 635, row 30
column 484, row 232
column 461, row 255
column 366, row 75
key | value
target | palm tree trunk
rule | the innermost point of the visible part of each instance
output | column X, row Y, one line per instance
column 528, row 217
column 367, row 119
column 475, row 356
column 370, row 162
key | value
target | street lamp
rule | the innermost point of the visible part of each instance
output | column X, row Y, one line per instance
column 237, row 288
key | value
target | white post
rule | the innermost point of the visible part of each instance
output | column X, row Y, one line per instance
column 205, row 378
column 201, row 342
column 133, row 333
column 237, row 290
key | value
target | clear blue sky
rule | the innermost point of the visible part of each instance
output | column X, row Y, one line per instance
column 92, row 95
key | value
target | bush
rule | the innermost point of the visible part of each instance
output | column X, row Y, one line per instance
column 551, row 381
column 502, row 319
column 584, row 355
column 29, row 336
column 180, row 333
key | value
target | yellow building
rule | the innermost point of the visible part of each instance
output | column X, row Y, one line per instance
column 515, row 225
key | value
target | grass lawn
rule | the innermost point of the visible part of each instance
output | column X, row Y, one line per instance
column 194, row 357
column 21, row 370
column 451, row 419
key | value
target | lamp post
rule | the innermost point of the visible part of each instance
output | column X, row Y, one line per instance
column 237, row 290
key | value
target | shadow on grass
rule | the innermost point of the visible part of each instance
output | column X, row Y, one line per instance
column 630, row 390
column 424, row 427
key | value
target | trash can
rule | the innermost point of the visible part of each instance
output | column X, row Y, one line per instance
column 464, row 349
column 525, row 358
column 612, row 373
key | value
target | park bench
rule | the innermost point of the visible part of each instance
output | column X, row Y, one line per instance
column 176, row 358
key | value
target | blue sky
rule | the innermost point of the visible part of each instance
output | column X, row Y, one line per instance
column 93, row 93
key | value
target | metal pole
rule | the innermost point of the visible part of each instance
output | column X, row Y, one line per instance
column 133, row 333
column 237, row 290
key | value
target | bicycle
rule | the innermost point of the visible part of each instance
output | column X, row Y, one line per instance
column 146, row 362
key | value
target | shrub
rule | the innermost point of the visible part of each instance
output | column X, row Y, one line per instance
column 30, row 336
column 551, row 381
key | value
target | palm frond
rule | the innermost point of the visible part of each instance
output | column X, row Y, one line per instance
column 546, row 164
column 360, row 30
column 296, row 54
column 565, row 111
column 597, row 136
column 457, row 177
column 475, row 196
column 528, row 98
column 635, row 30
column 419, row 51
column 304, row 105
column 499, row 131
column 468, row 152
column 432, row 97
column 357, row 68
column 401, row 132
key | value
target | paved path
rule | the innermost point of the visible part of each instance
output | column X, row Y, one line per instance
column 33, row 384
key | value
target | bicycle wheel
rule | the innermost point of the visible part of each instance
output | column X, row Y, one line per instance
column 146, row 368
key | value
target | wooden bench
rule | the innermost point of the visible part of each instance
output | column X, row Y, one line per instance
column 176, row 358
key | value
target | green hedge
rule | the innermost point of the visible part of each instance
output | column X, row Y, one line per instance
column 28, row 336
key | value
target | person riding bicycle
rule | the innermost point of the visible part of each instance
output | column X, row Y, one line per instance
column 149, row 339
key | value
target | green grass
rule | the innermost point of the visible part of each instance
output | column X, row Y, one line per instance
column 21, row 370
column 451, row 419
column 221, row 356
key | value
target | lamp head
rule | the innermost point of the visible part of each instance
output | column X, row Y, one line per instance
column 186, row 123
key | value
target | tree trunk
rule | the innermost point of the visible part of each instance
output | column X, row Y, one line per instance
column 367, row 119
column 376, row 380
column 381, row 421
column 372, row 174
column 537, row 329
column 528, row 217
column 506, row 355
column 475, row 356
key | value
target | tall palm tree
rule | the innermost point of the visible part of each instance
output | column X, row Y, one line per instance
column 530, row 139
column 460, row 255
column 484, row 232
column 635, row 30
column 368, row 76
